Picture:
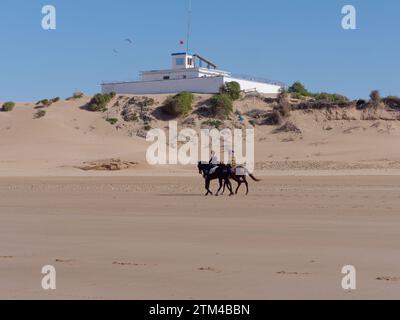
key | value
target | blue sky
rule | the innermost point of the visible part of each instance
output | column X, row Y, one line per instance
column 284, row 40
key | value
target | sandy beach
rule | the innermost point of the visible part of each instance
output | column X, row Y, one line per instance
column 159, row 238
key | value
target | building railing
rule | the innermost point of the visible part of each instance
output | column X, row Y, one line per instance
column 257, row 79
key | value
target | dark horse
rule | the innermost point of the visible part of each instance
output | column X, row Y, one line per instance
column 239, row 175
column 221, row 173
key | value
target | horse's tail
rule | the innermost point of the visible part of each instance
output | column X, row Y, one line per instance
column 250, row 175
column 254, row 178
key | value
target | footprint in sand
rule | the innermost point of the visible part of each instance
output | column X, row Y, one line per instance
column 294, row 273
column 131, row 264
column 64, row 260
column 209, row 269
column 387, row 278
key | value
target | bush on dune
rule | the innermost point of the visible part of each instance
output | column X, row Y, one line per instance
column 40, row 114
column 330, row 97
column 299, row 89
column 221, row 105
column 99, row 102
column 112, row 121
column 232, row 89
column 76, row 95
column 8, row 106
column 179, row 105
column 392, row 102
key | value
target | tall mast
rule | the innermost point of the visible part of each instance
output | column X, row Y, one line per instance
column 189, row 26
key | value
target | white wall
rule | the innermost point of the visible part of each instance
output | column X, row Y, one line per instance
column 196, row 85
column 259, row 86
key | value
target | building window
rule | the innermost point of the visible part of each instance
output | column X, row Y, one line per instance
column 184, row 77
column 166, row 78
column 180, row 61
column 190, row 61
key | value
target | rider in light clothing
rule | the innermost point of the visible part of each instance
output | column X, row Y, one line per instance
column 214, row 162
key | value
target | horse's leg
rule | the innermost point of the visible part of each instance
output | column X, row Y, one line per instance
column 220, row 186
column 208, row 186
column 247, row 186
column 238, row 187
column 229, row 186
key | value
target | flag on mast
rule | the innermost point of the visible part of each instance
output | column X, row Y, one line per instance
column 189, row 25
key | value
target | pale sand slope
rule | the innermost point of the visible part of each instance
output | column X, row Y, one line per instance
column 159, row 238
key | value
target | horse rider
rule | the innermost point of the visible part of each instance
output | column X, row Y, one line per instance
column 214, row 162
column 232, row 164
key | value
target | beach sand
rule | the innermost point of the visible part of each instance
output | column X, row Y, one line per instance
column 159, row 238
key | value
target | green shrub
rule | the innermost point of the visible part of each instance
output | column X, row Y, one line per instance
column 147, row 127
column 392, row 102
column 8, row 106
column 232, row 89
column 330, row 97
column 297, row 96
column 113, row 121
column 179, row 105
column 99, row 102
column 221, row 105
column 76, row 95
column 375, row 96
column 40, row 114
column 44, row 102
column 299, row 88
column 56, row 99
column 213, row 123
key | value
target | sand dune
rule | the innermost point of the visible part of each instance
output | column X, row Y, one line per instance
column 68, row 136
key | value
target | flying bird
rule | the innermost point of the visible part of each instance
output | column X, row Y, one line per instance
column 115, row 51
column 129, row 40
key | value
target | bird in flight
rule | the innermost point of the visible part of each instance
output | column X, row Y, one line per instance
column 129, row 40
column 115, row 51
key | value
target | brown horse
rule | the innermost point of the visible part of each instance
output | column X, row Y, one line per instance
column 221, row 173
column 239, row 174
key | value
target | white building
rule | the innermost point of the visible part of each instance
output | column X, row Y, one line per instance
column 190, row 73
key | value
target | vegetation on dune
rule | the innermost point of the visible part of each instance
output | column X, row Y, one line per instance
column 99, row 102
column 40, row 114
column 76, row 95
column 330, row 97
column 376, row 99
column 392, row 102
column 112, row 121
column 232, row 89
column 298, row 91
column 221, row 106
column 147, row 127
column 47, row 102
column 179, row 105
column 281, row 110
column 213, row 123
column 8, row 106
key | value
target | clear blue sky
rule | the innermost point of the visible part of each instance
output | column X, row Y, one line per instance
column 284, row 40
